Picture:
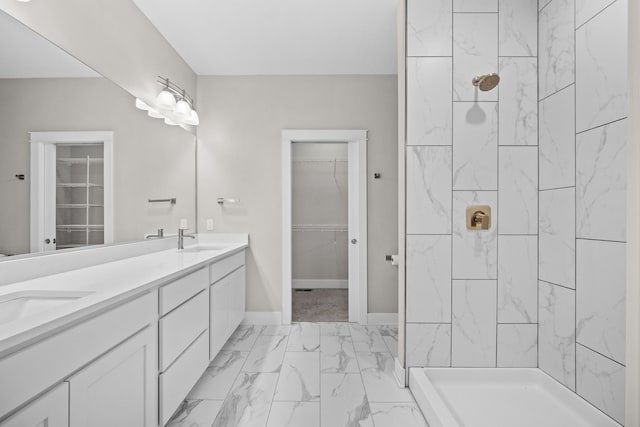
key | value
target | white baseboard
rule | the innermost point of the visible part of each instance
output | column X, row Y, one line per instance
column 262, row 318
column 400, row 373
column 382, row 319
column 319, row 284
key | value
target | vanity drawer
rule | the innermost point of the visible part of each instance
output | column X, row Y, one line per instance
column 227, row 265
column 177, row 292
column 176, row 382
column 181, row 327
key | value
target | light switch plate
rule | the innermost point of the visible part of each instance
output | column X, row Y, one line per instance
column 209, row 224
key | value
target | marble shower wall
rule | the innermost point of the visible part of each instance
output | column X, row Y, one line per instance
column 582, row 109
column 472, row 295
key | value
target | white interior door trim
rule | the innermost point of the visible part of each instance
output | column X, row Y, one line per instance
column 357, row 177
column 39, row 141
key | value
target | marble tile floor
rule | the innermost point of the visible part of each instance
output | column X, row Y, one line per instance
column 302, row 375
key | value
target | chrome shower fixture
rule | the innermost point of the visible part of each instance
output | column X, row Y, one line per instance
column 486, row 82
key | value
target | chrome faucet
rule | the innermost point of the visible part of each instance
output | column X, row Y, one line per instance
column 181, row 237
column 160, row 234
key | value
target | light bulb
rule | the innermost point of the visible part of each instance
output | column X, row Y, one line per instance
column 168, row 121
column 182, row 110
column 193, row 119
column 166, row 100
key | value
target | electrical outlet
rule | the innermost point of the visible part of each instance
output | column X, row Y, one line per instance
column 209, row 224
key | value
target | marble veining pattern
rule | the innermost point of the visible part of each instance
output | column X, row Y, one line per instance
column 367, row 338
column 475, row 52
column 337, row 355
column 195, row 413
column 601, row 302
column 294, row 414
column 587, row 9
column 300, row 377
column 601, row 61
column 429, row 27
column 313, row 388
column 557, row 333
column 219, row 376
column 601, row 183
column 475, row 5
column 428, row 94
column 429, row 190
column 518, row 190
column 378, row 378
column 518, row 28
column 518, row 101
column 397, row 414
column 266, row 355
column 334, row 329
column 518, row 346
column 517, row 279
column 243, row 338
column 428, row 278
column 557, row 140
column 474, row 323
column 428, row 344
column 475, row 146
column 601, row 381
column 249, row 401
column 556, row 46
column 344, row 401
column 557, row 243
column 475, row 253
column 304, row 337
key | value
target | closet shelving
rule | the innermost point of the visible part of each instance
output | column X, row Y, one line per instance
column 79, row 202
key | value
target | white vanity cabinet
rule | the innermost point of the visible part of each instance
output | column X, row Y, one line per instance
column 50, row 410
column 227, row 300
column 184, row 340
column 118, row 388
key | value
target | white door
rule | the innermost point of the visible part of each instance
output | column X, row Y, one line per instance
column 357, row 223
column 71, row 189
column 118, row 389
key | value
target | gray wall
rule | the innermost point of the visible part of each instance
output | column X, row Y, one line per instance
column 112, row 37
column 583, row 105
column 239, row 155
column 151, row 159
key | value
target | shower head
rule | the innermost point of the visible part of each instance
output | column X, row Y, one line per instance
column 486, row 82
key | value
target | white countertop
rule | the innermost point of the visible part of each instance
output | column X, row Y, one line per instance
column 108, row 283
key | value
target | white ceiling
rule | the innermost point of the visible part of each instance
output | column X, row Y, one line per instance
column 261, row 37
column 26, row 54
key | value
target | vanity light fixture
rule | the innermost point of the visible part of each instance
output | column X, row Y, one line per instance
column 172, row 104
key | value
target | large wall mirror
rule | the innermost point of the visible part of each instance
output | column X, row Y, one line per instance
column 44, row 92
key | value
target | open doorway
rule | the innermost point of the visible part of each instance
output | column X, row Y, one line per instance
column 320, row 244
column 347, row 229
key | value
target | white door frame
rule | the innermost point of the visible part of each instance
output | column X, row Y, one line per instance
column 357, row 178
column 41, row 174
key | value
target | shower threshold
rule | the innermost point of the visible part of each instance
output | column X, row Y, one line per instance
column 499, row 397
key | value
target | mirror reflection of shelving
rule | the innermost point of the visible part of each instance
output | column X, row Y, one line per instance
column 79, row 195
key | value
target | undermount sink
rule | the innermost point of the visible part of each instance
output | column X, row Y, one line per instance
column 204, row 248
column 20, row 305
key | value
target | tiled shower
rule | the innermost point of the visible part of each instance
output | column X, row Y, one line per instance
column 545, row 286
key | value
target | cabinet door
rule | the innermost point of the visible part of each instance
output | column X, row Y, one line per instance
column 118, row 389
column 236, row 299
column 51, row 410
column 219, row 316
